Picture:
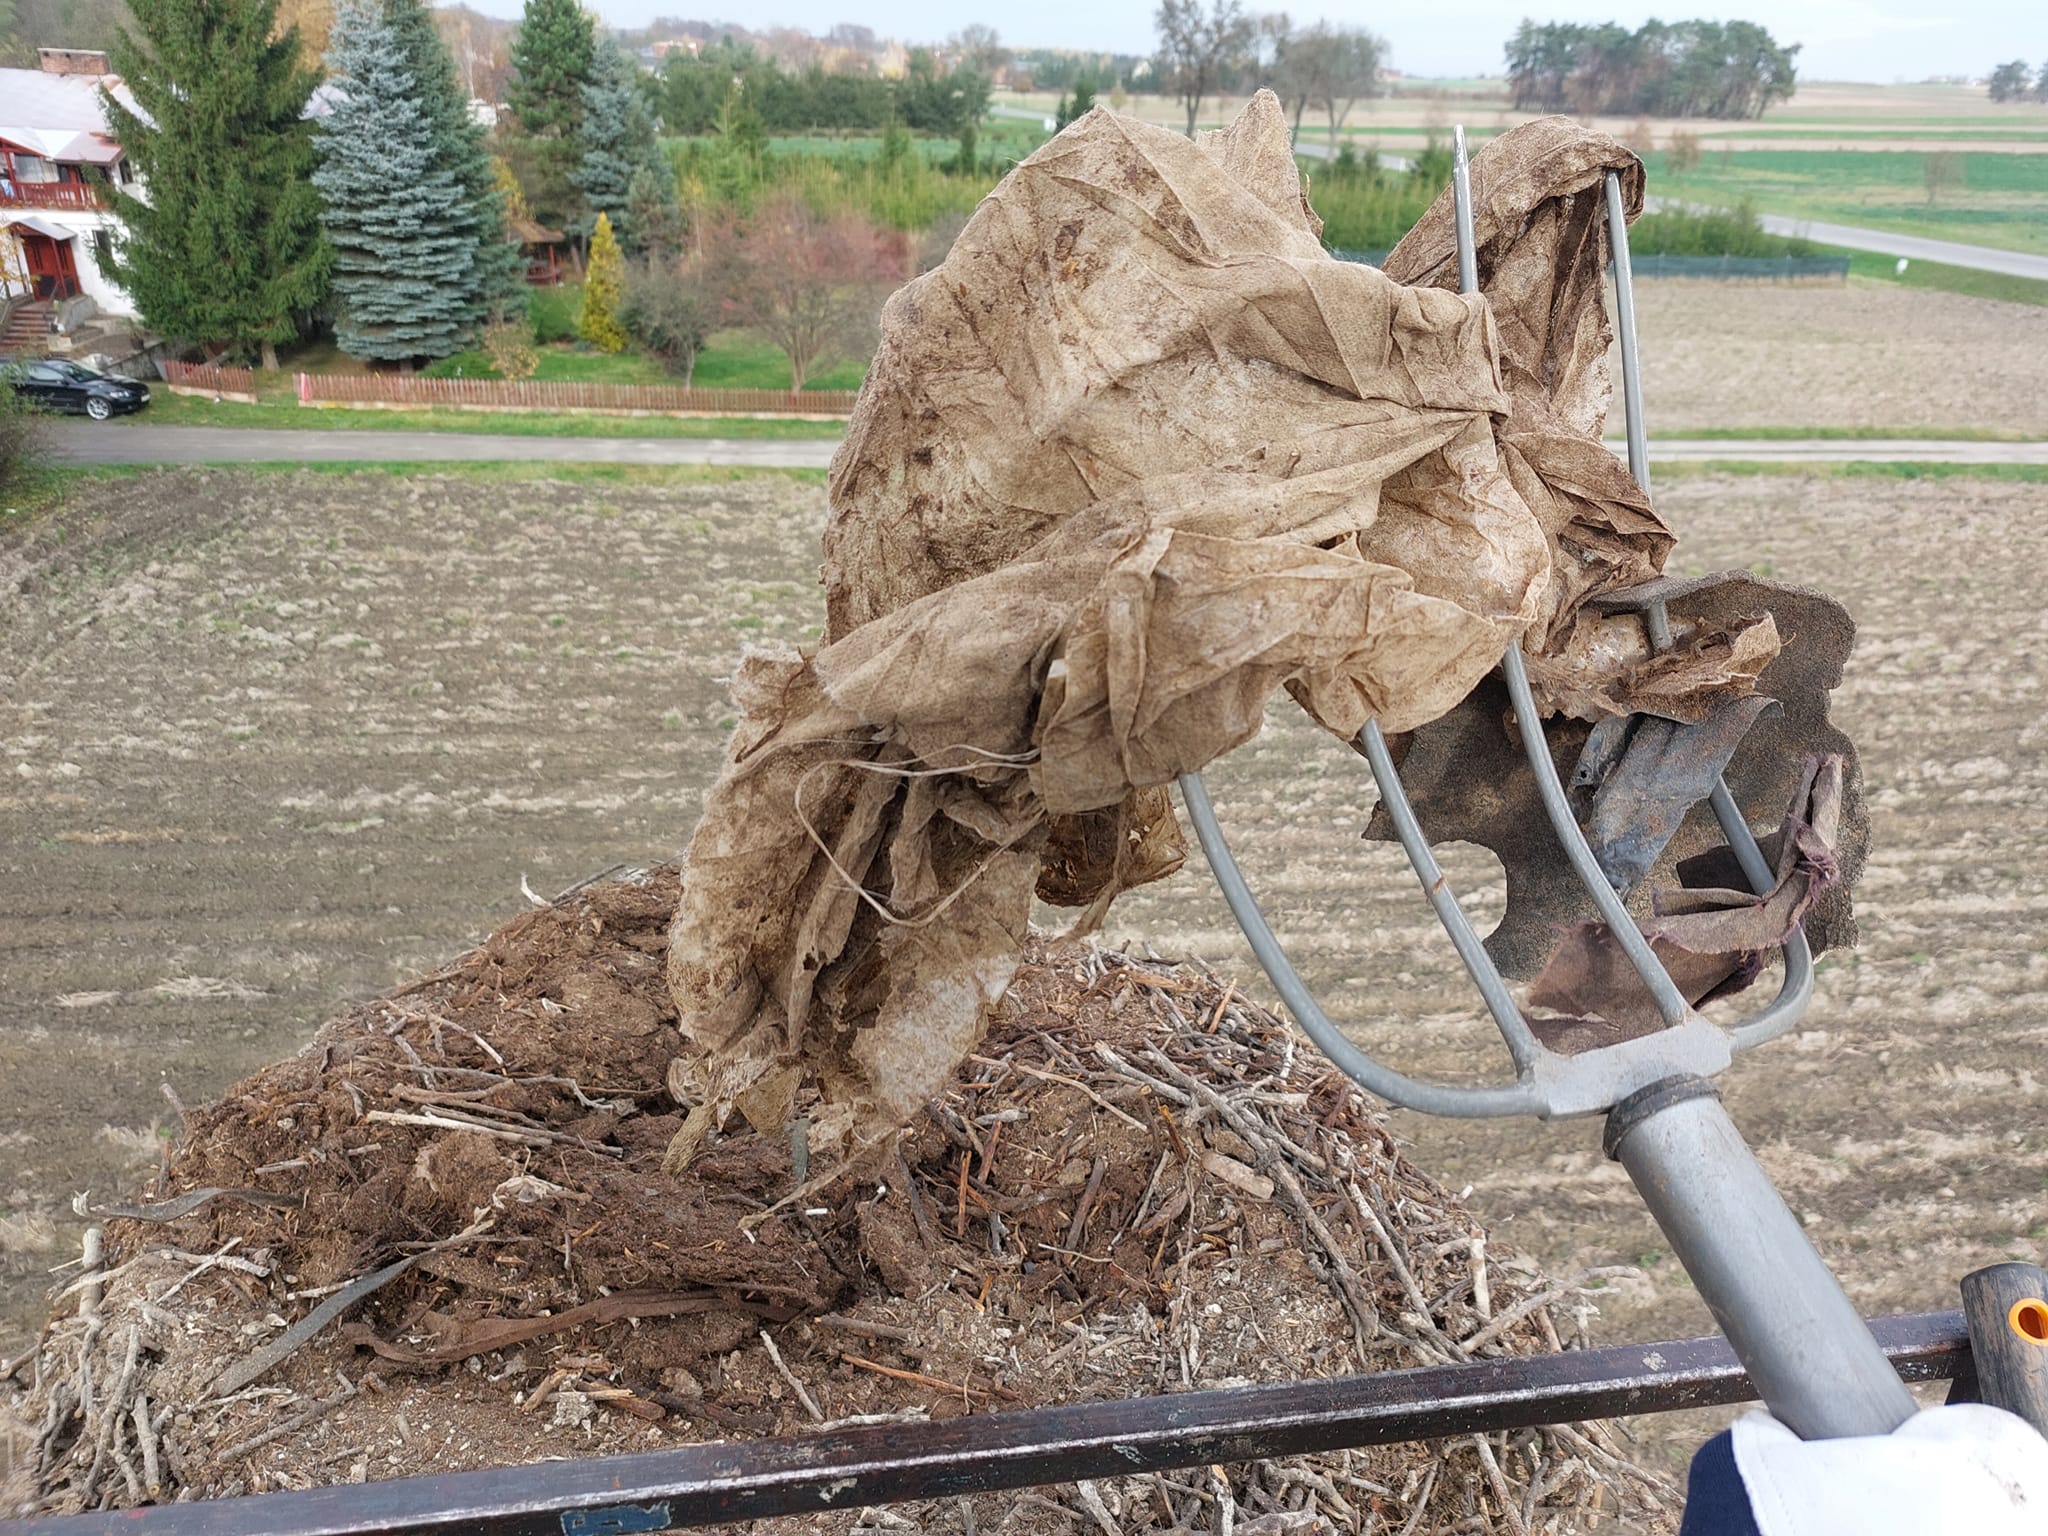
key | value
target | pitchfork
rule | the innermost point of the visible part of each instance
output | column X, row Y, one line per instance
column 1812, row 1358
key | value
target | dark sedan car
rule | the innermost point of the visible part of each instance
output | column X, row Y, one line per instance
column 55, row 384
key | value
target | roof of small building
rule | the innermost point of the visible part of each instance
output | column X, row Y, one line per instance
column 59, row 116
column 38, row 226
column 532, row 232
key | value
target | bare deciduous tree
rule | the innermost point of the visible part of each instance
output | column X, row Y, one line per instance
column 671, row 310
column 1293, row 66
column 1349, row 72
column 809, row 286
column 1198, row 48
column 981, row 46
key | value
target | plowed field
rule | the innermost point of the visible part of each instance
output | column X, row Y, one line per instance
column 271, row 743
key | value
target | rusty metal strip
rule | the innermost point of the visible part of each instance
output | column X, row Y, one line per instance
column 732, row 1480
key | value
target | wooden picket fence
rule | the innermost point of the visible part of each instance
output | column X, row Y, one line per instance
column 210, row 379
column 383, row 389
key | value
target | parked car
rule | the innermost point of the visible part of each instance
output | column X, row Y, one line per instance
column 57, row 384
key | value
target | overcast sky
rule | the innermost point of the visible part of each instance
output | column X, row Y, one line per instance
column 1879, row 40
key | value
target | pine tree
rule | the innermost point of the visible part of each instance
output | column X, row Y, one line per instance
column 604, row 291
column 618, row 142
column 656, row 212
column 227, row 249
column 552, row 57
column 459, row 146
column 404, row 242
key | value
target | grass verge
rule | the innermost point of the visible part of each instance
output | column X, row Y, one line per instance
column 1855, row 469
column 169, row 410
column 54, row 484
column 1871, row 266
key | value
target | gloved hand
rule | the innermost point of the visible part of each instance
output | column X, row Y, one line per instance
column 1963, row 1470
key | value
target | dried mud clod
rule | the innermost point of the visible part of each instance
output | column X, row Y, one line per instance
column 1143, row 1183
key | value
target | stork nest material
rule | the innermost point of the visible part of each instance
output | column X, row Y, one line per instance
column 439, row 1238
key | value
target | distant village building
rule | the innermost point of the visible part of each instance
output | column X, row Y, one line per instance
column 57, row 160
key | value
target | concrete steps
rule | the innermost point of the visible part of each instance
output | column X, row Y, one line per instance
column 27, row 330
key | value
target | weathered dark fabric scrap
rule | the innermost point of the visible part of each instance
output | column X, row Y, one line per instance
column 1713, row 941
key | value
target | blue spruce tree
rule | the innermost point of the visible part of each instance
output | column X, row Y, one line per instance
column 459, row 145
column 405, row 240
column 618, row 144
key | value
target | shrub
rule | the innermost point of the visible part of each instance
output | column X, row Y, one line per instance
column 1709, row 232
column 20, row 436
column 1361, row 206
column 670, row 310
column 508, row 342
column 604, row 290
column 553, row 312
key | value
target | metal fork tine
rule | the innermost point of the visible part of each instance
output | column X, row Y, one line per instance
column 1671, row 1004
column 1522, row 1043
column 1797, row 986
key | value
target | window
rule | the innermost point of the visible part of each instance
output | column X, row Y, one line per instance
column 102, row 247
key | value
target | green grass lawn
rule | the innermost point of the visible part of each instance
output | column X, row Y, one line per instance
column 169, row 410
column 561, row 363
column 2002, row 202
column 733, row 360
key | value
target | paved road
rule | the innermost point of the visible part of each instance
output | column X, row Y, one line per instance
column 83, row 443
column 87, row 443
column 1854, row 237
column 1949, row 252
column 1817, row 450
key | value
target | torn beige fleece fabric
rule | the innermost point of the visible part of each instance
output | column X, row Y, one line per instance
column 1139, row 453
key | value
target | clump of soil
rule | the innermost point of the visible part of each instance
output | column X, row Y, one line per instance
column 1144, row 1184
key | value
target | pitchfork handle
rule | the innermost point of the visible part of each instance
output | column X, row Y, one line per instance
column 2006, row 1307
column 1810, row 1354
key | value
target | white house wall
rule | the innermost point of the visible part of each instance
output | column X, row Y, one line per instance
column 95, row 284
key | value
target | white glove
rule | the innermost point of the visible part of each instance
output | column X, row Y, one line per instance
column 1964, row 1470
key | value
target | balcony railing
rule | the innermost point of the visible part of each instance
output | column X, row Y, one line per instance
column 51, row 194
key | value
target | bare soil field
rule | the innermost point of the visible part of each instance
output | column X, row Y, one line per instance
column 273, row 743
column 1864, row 355
column 276, row 742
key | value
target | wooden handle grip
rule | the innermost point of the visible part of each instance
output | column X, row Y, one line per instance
column 2006, row 1307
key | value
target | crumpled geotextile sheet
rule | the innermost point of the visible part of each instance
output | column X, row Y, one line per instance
column 1138, row 453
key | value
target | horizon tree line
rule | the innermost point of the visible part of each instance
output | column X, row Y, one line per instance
column 2010, row 82
column 1712, row 69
